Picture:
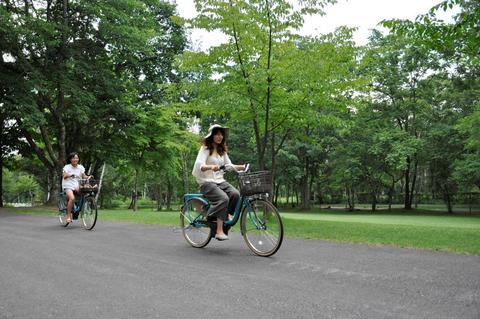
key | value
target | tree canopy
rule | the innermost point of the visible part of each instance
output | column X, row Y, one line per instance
column 394, row 121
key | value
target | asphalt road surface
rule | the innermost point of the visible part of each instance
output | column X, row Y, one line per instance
column 122, row 270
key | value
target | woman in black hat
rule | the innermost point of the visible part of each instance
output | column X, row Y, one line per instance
column 222, row 196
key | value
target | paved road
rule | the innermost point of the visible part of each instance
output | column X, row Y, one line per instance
column 122, row 270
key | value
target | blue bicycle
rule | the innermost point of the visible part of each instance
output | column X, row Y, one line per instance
column 84, row 206
column 260, row 222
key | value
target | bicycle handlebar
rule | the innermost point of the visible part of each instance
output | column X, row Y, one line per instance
column 230, row 167
column 78, row 177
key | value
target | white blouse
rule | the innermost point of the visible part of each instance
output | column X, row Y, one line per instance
column 71, row 182
column 204, row 158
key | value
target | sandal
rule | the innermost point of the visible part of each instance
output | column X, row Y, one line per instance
column 221, row 237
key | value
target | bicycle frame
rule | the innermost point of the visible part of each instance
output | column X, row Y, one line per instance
column 77, row 207
column 242, row 202
column 261, row 225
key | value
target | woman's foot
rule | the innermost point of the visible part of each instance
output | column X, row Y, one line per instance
column 221, row 237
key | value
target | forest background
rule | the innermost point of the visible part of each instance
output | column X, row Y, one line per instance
column 394, row 122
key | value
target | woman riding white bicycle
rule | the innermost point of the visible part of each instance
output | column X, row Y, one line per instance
column 221, row 195
column 72, row 172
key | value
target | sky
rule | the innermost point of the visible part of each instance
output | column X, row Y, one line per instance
column 363, row 14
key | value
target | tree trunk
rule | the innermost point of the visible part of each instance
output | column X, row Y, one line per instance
column 305, row 193
column 304, row 185
column 448, row 202
column 169, row 193
column 414, row 180
column 374, row 202
column 407, row 201
column 350, row 198
column 296, row 198
column 1, row 175
column 56, row 186
column 447, row 198
column 158, row 194
column 390, row 197
column 185, row 172
column 288, row 194
column 133, row 203
column 310, row 189
column 277, row 193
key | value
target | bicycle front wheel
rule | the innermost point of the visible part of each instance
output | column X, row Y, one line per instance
column 89, row 213
column 262, row 227
column 62, row 210
column 195, row 227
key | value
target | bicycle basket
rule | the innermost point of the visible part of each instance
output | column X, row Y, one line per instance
column 255, row 183
column 88, row 185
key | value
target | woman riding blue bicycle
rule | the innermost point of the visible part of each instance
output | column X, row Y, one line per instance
column 222, row 196
column 72, row 172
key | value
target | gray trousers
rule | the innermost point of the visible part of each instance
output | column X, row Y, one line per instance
column 223, row 198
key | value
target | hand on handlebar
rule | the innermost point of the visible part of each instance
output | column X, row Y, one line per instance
column 236, row 168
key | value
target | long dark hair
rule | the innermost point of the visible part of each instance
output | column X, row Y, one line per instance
column 70, row 156
column 222, row 148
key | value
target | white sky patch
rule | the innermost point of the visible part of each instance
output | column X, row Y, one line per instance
column 362, row 14
column 7, row 57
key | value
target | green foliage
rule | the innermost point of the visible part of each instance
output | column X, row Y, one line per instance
column 20, row 187
column 80, row 73
column 329, row 119
column 248, row 78
column 467, row 166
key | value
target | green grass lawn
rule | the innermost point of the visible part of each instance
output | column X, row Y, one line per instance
column 418, row 229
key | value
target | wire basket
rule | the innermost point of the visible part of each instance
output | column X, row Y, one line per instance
column 88, row 185
column 255, row 183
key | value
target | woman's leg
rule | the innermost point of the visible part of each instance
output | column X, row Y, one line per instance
column 70, row 200
column 218, row 204
column 233, row 196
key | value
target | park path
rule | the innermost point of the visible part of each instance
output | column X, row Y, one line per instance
column 123, row 270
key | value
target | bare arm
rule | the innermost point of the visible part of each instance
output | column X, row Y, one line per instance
column 200, row 162
column 229, row 162
column 214, row 168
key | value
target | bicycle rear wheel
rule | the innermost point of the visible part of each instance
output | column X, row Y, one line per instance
column 262, row 227
column 89, row 213
column 62, row 210
column 195, row 227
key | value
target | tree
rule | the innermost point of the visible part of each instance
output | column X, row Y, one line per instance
column 467, row 167
column 455, row 99
column 398, row 66
column 81, row 66
column 241, row 79
column 153, row 147
column 9, row 141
